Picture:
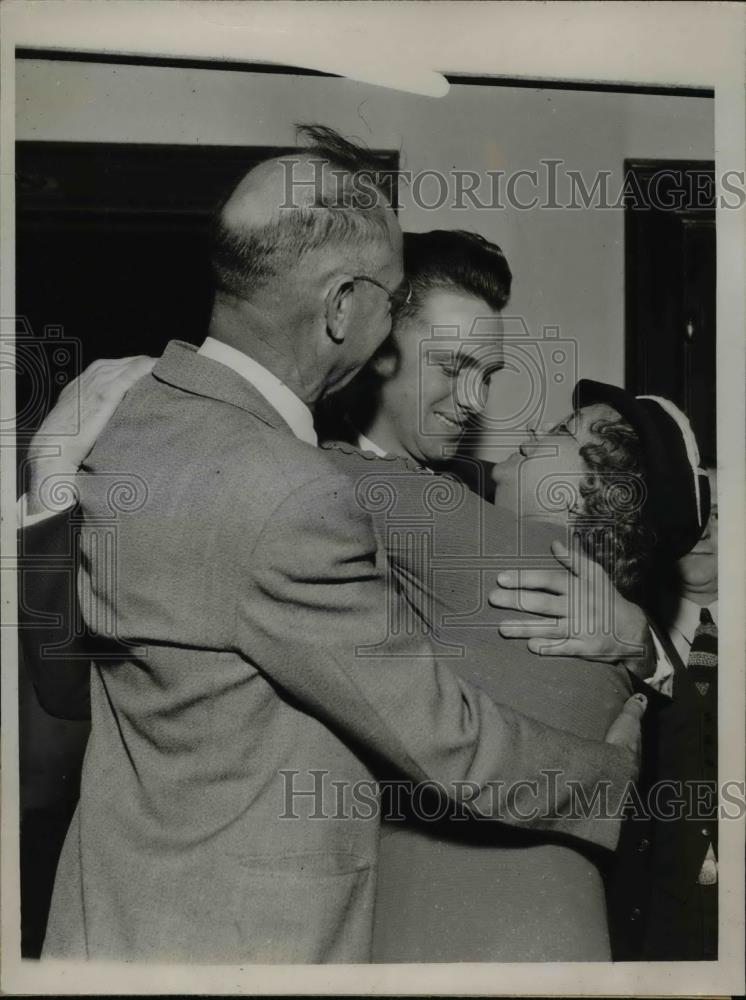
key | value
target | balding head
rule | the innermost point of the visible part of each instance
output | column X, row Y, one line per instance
column 302, row 214
column 298, row 250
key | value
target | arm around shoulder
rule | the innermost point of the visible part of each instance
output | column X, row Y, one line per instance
column 316, row 615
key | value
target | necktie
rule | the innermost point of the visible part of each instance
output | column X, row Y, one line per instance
column 703, row 656
column 702, row 666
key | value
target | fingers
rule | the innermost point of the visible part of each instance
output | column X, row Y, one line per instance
column 578, row 649
column 562, row 554
column 82, row 410
column 532, row 628
column 577, row 559
column 574, row 558
column 141, row 362
column 549, row 639
column 105, row 369
column 551, row 646
column 530, row 602
column 626, row 729
column 118, row 362
column 137, row 368
column 554, row 581
column 106, row 381
column 635, row 706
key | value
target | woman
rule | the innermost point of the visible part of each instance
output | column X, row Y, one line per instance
column 465, row 891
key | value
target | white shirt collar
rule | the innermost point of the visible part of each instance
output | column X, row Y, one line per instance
column 293, row 410
column 687, row 618
column 365, row 444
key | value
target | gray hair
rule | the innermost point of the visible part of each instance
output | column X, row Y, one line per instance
column 345, row 217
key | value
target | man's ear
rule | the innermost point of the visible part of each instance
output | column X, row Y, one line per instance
column 339, row 308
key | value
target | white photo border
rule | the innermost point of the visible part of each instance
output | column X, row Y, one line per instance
column 676, row 44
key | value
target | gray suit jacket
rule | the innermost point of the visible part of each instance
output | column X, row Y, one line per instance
column 241, row 577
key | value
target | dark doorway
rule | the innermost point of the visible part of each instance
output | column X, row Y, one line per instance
column 112, row 250
column 670, row 287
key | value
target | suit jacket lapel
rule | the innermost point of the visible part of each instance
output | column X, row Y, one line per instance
column 183, row 367
column 683, row 687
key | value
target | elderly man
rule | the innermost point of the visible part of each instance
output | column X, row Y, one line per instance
column 248, row 585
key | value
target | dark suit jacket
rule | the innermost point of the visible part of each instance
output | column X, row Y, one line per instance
column 658, row 912
column 58, row 646
column 241, row 586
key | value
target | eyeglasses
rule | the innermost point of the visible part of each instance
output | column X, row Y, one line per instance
column 401, row 296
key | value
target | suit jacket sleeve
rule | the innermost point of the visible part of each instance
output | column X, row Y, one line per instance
column 56, row 652
column 314, row 612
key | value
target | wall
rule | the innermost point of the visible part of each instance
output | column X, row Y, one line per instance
column 568, row 264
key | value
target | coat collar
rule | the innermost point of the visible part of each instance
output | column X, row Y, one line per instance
column 182, row 367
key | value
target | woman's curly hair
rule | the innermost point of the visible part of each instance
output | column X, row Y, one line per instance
column 609, row 520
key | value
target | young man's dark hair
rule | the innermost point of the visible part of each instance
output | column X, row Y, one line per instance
column 455, row 260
